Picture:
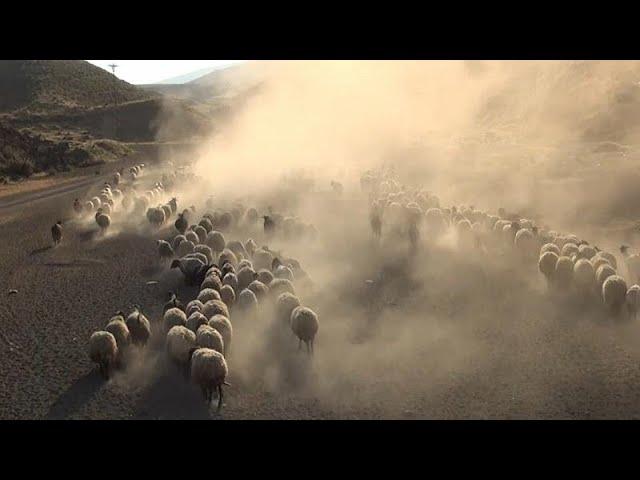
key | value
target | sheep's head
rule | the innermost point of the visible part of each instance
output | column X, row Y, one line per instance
column 624, row 249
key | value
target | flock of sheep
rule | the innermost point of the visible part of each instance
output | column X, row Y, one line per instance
column 236, row 279
column 239, row 280
column 571, row 266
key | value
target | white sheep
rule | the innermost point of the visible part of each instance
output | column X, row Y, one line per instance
column 103, row 220
column 583, row 275
column 209, row 337
column 281, row 285
column 614, row 292
column 207, row 294
column 604, row 271
column 632, row 300
column 172, row 318
column 195, row 320
column 285, row 304
column 103, row 350
column 228, row 295
column 180, row 341
column 216, row 241
column 120, row 332
column 215, row 307
column 304, row 323
column 193, row 306
column 259, row 289
column 563, row 275
column 223, row 326
column 247, row 300
column 209, row 371
column 139, row 327
column 164, row 250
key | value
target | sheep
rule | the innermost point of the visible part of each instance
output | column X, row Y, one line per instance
column 550, row 247
column 103, row 220
column 164, row 250
column 259, row 289
column 228, row 295
column 193, row 269
column 211, row 282
column 281, row 285
column 167, row 211
column 216, row 241
column 244, row 277
column 583, row 275
column 231, row 280
column 206, row 224
column 569, row 249
column 156, row 216
column 195, row 320
column 227, row 267
column 250, row 246
column 285, row 304
column 56, row 232
column 614, row 291
column 223, row 326
column 120, row 332
column 207, row 294
column 209, row 337
column 200, row 232
column 262, row 259
column 209, row 371
column 185, row 248
column 228, row 256
column 173, row 302
column 192, row 237
column 181, row 223
column 283, row 272
column 265, row 276
column 199, row 256
column 604, row 271
column 632, row 261
column 526, row 243
column 304, row 323
column 173, row 317
column 596, row 261
column 237, row 248
column 215, row 307
column 245, row 263
column 139, row 327
column 247, row 300
column 586, row 251
column 563, row 274
column 103, row 350
column 177, row 240
column 632, row 300
column 608, row 257
column 205, row 250
column 194, row 306
column 180, row 341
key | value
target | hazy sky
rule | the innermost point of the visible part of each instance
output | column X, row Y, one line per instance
column 151, row 71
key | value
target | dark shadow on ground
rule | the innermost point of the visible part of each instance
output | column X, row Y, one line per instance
column 78, row 394
column 172, row 397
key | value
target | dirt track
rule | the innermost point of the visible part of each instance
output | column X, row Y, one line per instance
column 469, row 342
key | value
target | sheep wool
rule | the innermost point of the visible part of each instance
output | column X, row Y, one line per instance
column 614, row 292
column 223, row 326
column 195, row 320
column 103, row 350
column 215, row 307
column 207, row 294
column 209, row 371
column 304, row 323
column 173, row 317
column 285, row 304
column 209, row 337
column 180, row 341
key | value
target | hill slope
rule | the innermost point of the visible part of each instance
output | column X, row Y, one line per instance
column 56, row 85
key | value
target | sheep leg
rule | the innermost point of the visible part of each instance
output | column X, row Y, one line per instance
column 219, row 397
column 311, row 343
column 299, row 344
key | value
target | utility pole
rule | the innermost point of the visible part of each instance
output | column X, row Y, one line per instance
column 113, row 67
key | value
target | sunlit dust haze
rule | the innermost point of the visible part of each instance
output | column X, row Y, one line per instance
column 462, row 127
